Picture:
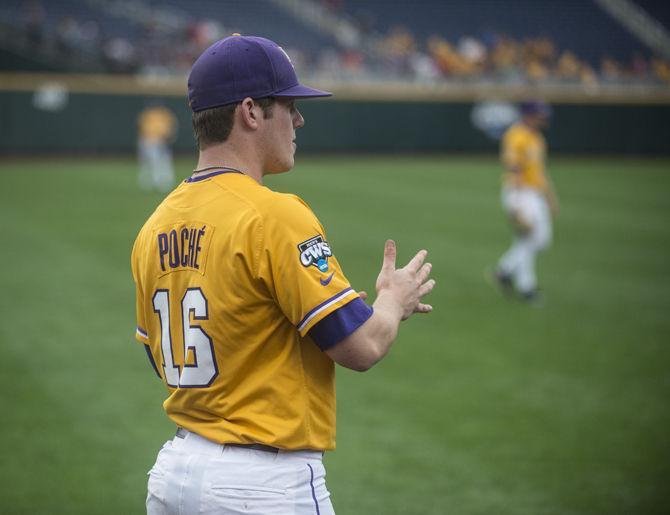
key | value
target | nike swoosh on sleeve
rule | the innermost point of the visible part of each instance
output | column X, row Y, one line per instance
column 324, row 282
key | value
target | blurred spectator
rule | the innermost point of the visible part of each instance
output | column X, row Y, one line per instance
column 119, row 55
column 542, row 49
column 442, row 54
column 424, row 68
column 536, row 71
column 505, row 56
column 399, row 41
column 568, row 66
column 661, row 69
column 448, row 59
column 397, row 48
column 68, row 36
column 588, row 77
column 610, row 69
column 472, row 51
column 203, row 33
column 352, row 61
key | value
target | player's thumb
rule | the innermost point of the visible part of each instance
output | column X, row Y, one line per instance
column 389, row 256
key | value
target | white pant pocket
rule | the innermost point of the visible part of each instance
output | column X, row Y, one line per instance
column 246, row 499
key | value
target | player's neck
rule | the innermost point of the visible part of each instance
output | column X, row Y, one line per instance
column 226, row 156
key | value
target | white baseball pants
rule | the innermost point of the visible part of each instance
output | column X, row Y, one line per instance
column 193, row 475
column 156, row 169
column 519, row 260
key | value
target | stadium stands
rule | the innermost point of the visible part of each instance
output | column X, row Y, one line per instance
column 575, row 25
column 257, row 17
column 524, row 41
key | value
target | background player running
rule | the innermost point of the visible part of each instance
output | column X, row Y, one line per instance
column 529, row 199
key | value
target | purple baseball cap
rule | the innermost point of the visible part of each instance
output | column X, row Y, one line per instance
column 238, row 67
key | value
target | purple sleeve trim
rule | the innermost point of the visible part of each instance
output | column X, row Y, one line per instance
column 325, row 304
column 340, row 323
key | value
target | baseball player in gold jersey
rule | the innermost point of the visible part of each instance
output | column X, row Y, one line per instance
column 243, row 308
column 529, row 198
column 156, row 129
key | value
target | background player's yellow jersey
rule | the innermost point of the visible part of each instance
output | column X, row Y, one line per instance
column 156, row 124
column 235, row 283
column 524, row 149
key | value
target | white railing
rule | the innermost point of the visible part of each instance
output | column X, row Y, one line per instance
column 639, row 23
column 318, row 17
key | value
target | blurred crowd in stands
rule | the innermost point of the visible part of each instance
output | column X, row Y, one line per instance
column 158, row 48
column 505, row 59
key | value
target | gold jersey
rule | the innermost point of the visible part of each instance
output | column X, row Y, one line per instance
column 234, row 285
column 524, row 149
column 156, row 124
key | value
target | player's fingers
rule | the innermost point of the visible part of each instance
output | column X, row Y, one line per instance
column 424, row 272
column 426, row 288
column 423, row 308
column 389, row 256
column 416, row 262
column 363, row 294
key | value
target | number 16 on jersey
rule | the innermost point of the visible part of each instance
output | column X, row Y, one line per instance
column 199, row 366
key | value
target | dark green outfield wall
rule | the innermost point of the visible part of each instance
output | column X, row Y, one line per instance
column 105, row 123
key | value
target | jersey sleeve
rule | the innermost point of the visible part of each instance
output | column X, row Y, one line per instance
column 511, row 152
column 141, row 333
column 299, row 268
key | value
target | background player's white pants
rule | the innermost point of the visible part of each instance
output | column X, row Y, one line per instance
column 156, row 170
column 519, row 260
column 193, row 475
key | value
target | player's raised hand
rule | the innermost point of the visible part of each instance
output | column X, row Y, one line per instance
column 405, row 286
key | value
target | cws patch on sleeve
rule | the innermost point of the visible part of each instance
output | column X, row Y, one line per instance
column 302, row 270
column 315, row 252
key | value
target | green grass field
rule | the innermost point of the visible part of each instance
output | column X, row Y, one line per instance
column 486, row 406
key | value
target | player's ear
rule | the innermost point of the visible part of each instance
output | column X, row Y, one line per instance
column 249, row 113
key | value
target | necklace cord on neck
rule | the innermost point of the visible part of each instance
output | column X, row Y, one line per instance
column 224, row 168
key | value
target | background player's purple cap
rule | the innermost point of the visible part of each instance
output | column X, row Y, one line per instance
column 536, row 107
column 237, row 67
